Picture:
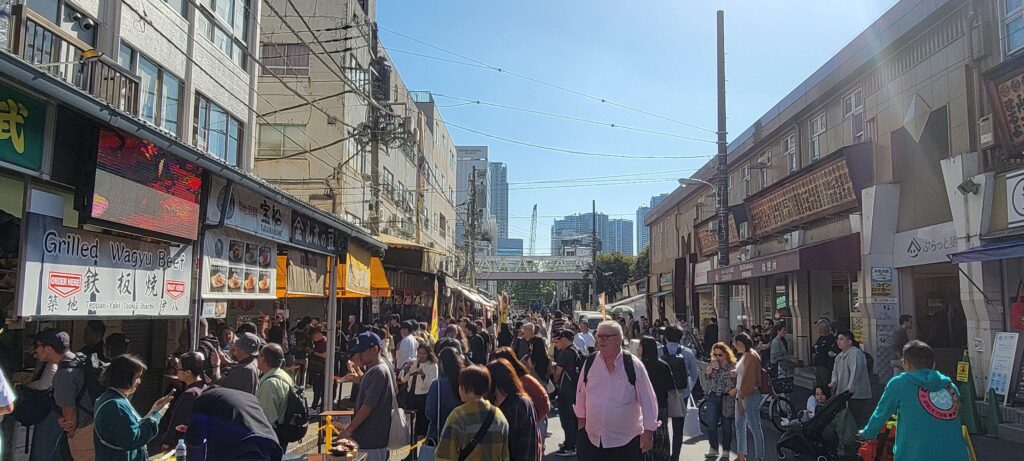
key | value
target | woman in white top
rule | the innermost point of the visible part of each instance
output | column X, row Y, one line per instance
column 418, row 377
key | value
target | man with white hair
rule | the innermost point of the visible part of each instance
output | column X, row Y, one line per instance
column 615, row 401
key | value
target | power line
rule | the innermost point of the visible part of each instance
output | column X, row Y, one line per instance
column 577, row 152
column 552, row 85
column 569, row 117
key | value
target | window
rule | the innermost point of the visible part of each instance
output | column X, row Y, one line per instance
column 853, row 103
column 388, row 179
column 763, row 164
column 285, row 59
column 399, row 192
column 281, row 140
column 159, row 91
column 355, row 72
column 181, row 6
column 215, row 131
column 789, row 151
column 746, row 179
column 442, row 224
column 1014, row 20
column 228, row 27
column 817, row 130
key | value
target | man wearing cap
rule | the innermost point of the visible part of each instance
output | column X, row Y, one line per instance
column 74, row 408
column 568, row 361
column 244, row 374
column 274, row 386
column 823, row 353
column 407, row 347
column 371, row 423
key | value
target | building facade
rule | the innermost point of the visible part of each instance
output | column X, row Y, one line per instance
column 620, row 236
column 572, row 233
column 850, row 197
column 643, row 234
column 498, row 196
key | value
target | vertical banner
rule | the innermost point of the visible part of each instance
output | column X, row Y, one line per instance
column 503, row 308
column 433, row 314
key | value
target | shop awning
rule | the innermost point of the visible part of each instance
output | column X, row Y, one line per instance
column 628, row 300
column 990, row 251
column 354, row 273
column 838, row 254
column 379, row 285
column 396, row 242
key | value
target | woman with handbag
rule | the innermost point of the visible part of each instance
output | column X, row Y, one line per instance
column 442, row 398
column 476, row 430
column 661, row 379
column 748, row 398
column 120, row 434
column 721, row 400
column 417, row 378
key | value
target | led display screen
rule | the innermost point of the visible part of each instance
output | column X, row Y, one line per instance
column 140, row 186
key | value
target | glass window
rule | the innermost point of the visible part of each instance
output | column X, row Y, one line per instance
column 224, row 9
column 1015, row 33
column 1013, row 5
column 126, row 57
column 171, row 102
column 234, row 134
column 218, row 138
column 181, row 6
column 281, row 140
column 149, row 72
column 217, row 132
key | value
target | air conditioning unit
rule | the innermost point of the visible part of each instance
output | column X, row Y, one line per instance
column 743, row 230
column 986, row 137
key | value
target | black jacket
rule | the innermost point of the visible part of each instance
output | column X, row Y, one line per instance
column 229, row 425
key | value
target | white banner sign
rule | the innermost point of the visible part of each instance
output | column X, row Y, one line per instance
column 1004, row 349
column 927, row 245
column 74, row 273
column 248, row 211
column 1015, row 198
column 238, row 266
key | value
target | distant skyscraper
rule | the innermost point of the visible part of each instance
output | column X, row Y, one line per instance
column 643, row 233
column 469, row 157
column 620, row 237
column 574, row 231
column 510, row 247
column 499, row 197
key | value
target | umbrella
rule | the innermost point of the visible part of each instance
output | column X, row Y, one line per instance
column 621, row 309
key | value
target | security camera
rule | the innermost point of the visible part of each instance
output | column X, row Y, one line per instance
column 968, row 187
column 86, row 23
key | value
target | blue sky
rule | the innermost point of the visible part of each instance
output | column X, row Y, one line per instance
column 659, row 58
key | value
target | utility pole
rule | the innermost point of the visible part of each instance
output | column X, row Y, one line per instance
column 471, row 230
column 593, row 251
column 722, row 180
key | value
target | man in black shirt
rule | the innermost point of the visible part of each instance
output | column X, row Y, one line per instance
column 477, row 345
column 568, row 361
column 823, row 353
column 94, row 332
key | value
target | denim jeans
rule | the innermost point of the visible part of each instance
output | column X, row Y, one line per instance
column 715, row 416
column 750, row 417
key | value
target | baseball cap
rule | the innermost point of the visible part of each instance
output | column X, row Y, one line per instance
column 363, row 341
column 249, row 343
column 54, row 338
column 567, row 334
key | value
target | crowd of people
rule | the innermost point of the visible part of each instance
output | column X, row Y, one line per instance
column 478, row 391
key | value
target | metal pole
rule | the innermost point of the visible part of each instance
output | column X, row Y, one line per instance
column 593, row 251
column 471, row 243
column 722, row 180
column 332, row 332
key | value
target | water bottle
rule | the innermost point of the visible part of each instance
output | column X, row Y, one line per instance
column 180, row 451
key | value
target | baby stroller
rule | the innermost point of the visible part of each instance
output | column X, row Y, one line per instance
column 811, row 437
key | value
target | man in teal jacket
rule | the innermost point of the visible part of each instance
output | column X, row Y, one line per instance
column 927, row 405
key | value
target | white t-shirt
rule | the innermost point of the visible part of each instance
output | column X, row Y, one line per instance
column 812, row 404
column 583, row 341
column 741, row 366
column 406, row 351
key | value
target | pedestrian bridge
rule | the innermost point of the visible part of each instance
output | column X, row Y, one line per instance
column 531, row 267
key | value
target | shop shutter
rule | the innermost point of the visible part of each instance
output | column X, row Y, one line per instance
column 140, row 333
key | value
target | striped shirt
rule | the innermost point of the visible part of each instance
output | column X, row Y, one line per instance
column 557, row 325
column 462, row 425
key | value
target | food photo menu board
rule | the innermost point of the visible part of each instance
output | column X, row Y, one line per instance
column 238, row 266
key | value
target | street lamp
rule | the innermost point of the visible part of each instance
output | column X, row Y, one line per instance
column 683, row 182
column 721, row 234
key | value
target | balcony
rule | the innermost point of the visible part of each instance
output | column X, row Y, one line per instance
column 58, row 52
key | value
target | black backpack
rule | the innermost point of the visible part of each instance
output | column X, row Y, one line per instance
column 296, row 417
column 627, row 364
column 92, row 367
column 33, row 406
column 677, row 363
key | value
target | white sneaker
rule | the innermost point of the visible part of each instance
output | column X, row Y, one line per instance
column 712, row 453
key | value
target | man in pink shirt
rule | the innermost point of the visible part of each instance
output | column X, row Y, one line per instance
column 618, row 413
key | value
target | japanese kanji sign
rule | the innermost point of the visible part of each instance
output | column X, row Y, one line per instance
column 248, row 211
column 75, row 273
column 22, row 119
column 238, row 266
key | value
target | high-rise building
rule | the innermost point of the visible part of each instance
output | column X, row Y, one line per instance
column 574, row 231
column 510, row 247
column 499, row 197
column 468, row 160
column 643, row 234
column 620, row 237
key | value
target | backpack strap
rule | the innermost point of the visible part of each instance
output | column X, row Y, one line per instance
column 80, row 362
column 484, row 427
column 627, row 364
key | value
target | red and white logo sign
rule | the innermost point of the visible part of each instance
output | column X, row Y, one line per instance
column 174, row 289
column 64, row 284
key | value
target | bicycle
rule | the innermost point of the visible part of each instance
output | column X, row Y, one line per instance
column 780, row 410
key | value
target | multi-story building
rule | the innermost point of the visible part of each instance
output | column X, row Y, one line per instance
column 498, row 196
column 643, row 234
column 510, row 247
column 873, row 189
column 471, row 160
column 575, row 231
column 620, row 237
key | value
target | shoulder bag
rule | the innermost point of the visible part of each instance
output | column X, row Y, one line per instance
column 484, row 427
column 398, row 437
column 428, row 450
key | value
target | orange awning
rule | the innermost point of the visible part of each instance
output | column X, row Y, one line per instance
column 354, row 274
column 379, row 285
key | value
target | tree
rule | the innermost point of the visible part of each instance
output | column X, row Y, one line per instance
column 521, row 292
column 642, row 268
column 612, row 271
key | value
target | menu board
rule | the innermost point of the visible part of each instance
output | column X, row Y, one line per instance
column 1000, row 370
column 238, row 266
column 821, row 192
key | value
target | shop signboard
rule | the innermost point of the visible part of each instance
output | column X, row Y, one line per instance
column 313, row 234
column 824, row 191
column 1015, row 199
column 237, row 265
column 881, row 282
column 248, row 211
column 927, row 245
column 700, row 273
column 74, row 273
column 783, row 262
column 22, row 122
column 1004, row 350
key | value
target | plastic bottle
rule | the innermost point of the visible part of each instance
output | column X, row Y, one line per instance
column 180, row 451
